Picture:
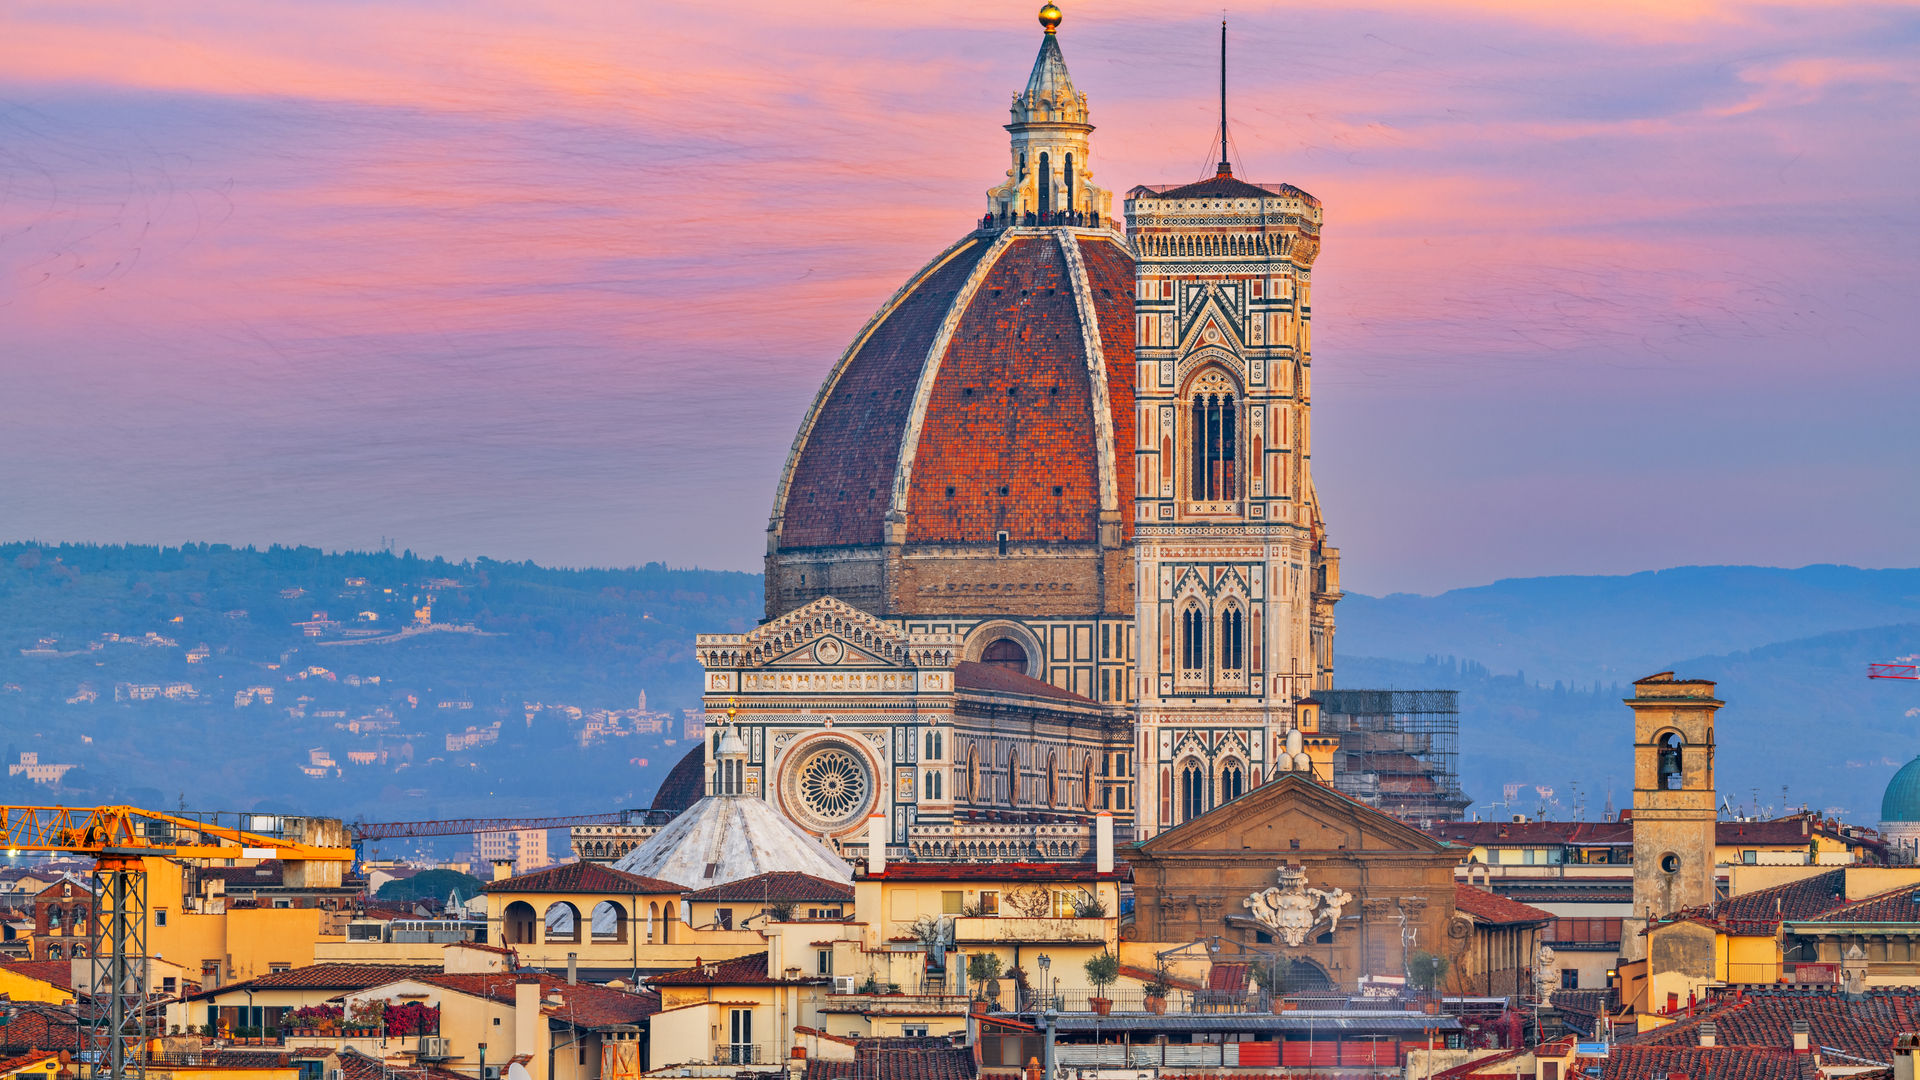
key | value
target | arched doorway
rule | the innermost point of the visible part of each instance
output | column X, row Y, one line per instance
column 518, row 920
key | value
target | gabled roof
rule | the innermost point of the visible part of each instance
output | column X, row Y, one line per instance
column 778, row 886
column 998, row 679
column 898, row 1059
column 1803, row 899
column 582, row 877
column 1485, row 907
column 52, row 972
column 1723, row 1062
column 1901, row 905
column 322, row 977
column 1289, row 786
column 1763, row 1019
column 589, row 1005
column 749, row 970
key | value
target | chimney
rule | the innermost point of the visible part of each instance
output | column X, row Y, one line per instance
column 1799, row 1036
column 1903, row 1048
column 876, row 844
column 1103, row 842
column 1709, row 1033
column 529, row 1026
column 573, row 969
column 502, row 869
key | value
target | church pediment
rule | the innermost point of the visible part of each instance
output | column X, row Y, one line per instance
column 1293, row 807
column 829, row 633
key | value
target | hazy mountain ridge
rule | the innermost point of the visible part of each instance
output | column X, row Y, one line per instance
column 1553, row 657
column 1589, row 629
column 1542, row 665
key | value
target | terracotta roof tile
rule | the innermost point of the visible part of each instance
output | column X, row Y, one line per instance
column 586, row 1004
column 778, row 886
column 997, row 679
column 898, row 1059
column 1862, row 1028
column 1719, row 1062
column 1900, row 905
column 582, row 877
column 55, row 972
column 750, row 970
column 1497, row 910
column 324, row 977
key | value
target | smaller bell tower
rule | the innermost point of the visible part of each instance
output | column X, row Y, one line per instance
column 1674, row 801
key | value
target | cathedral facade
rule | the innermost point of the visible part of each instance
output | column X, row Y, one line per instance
column 1047, row 544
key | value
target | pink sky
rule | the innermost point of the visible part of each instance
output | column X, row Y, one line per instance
column 557, row 282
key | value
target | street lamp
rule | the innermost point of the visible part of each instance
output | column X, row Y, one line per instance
column 1046, row 988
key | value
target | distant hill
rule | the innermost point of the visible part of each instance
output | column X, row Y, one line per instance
column 401, row 688
column 1607, row 629
column 406, row 688
column 1543, row 663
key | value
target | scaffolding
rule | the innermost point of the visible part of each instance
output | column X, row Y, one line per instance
column 1399, row 750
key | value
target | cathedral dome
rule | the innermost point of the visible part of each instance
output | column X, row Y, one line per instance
column 1901, row 803
column 978, row 402
column 976, row 438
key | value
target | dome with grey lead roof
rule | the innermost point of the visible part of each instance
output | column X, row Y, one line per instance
column 724, row 838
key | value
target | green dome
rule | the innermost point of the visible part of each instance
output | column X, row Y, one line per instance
column 1902, row 800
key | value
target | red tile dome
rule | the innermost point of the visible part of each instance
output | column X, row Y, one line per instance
column 980, row 424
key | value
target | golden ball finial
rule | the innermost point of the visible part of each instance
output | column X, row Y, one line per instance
column 1050, row 18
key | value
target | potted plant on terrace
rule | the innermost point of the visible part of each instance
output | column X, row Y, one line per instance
column 983, row 970
column 1156, row 989
column 1102, row 971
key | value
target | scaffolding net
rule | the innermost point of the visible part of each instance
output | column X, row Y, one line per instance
column 1399, row 750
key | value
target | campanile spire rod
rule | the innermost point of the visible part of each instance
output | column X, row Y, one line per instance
column 1226, row 168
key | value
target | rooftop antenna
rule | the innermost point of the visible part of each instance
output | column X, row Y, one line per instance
column 1226, row 168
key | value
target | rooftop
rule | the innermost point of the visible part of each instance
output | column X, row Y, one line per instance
column 1488, row 908
column 582, row 877
column 777, row 886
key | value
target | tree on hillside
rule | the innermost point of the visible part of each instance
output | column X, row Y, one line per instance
column 430, row 884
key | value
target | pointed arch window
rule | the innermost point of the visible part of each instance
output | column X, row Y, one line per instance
column 1233, row 639
column 1193, row 791
column 1193, row 640
column 1013, row 778
column 1069, row 179
column 1233, row 781
column 973, row 774
column 1213, row 440
column 1053, row 780
column 1046, row 186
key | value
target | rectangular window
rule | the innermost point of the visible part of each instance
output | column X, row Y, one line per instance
column 275, row 969
column 989, row 903
column 1569, row 978
column 914, row 1031
column 159, row 916
column 952, row 901
column 723, row 918
column 823, row 962
column 1749, row 858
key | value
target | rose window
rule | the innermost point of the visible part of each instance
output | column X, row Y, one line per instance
column 830, row 787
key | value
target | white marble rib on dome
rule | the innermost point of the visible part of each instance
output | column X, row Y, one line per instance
column 736, row 836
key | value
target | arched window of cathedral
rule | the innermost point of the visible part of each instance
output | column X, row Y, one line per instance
column 1213, row 441
column 973, row 774
column 1046, row 186
column 1069, row 179
column 1233, row 781
column 932, row 787
column 1233, row 639
column 1007, row 653
column 1193, row 791
column 1086, row 782
column 1013, row 778
column 1053, row 780
column 1193, row 640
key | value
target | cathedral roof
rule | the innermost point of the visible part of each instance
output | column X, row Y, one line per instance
column 685, row 782
column 992, row 393
column 724, row 838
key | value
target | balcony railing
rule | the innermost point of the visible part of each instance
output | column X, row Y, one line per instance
column 994, row 929
column 733, row 1053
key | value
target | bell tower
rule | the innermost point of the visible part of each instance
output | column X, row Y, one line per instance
column 1673, row 801
column 1237, row 577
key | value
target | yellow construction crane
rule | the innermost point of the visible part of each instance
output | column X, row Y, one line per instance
column 120, row 839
